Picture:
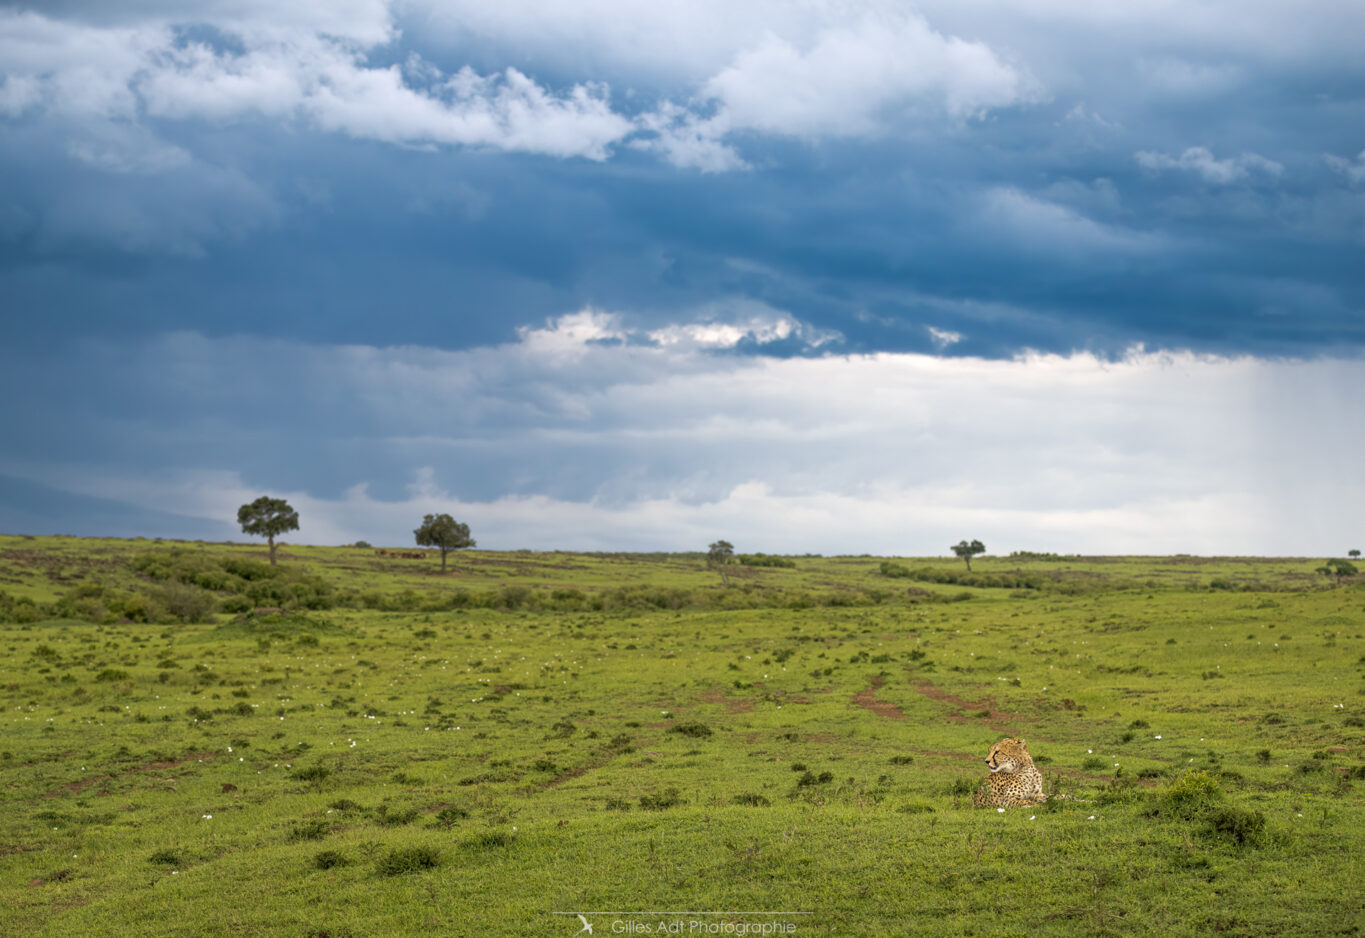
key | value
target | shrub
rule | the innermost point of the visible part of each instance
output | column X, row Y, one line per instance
column 763, row 560
column 756, row 801
column 447, row 816
column 235, row 605
column 1243, row 826
column 695, row 730
column 112, row 674
column 250, row 570
column 665, row 799
column 166, row 858
column 962, row 786
column 315, row 829
column 1190, row 794
column 139, row 608
column 312, row 773
column 326, row 859
column 395, row 817
column 186, row 603
column 408, row 860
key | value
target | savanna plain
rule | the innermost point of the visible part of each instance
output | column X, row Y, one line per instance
column 194, row 742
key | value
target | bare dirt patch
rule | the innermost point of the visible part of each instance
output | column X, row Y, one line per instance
column 976, row 709
column 732, row 704
column 81, row 784
column 944, row 754
column 867, row 699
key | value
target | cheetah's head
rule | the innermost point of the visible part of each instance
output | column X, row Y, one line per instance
column 1008, row 756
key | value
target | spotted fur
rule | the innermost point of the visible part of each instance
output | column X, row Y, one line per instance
column 1014, row 781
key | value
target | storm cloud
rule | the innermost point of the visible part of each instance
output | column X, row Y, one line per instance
column 643, row 267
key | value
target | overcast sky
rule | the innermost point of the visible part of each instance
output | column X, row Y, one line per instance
column 825, row 276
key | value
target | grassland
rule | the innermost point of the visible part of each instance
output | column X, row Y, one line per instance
column 355, row 745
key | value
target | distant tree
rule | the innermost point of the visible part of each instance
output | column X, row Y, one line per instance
column 718, row 556
column 1353, row 553
column 1338, row 568
column 268, row 518
column 968, row 551
column 445, row 534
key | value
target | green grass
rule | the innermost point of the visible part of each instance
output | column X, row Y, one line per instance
column 560, row 739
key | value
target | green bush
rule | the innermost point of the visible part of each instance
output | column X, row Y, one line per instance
column 312, row 773
column 235, row 605
column 408, row 860
column 764, row 560
column 140, row 608
column 250, row 570
column 1242, row 826
column 695, row 730
column 313, row 829
column 1013, row 581
column 448, row 816
column 395, row 817
column 326, row 859
column 22, row 611
column 1190, row 794
column 186, row 603
column 668, row 798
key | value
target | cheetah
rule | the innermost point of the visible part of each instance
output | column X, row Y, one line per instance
column 1013, row 781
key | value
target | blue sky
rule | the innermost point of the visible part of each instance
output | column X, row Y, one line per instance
column 821, row 277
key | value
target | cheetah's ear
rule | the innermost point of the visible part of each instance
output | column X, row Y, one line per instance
column 1022, row 744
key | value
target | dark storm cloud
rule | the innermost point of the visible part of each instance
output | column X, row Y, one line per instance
column 211, row 213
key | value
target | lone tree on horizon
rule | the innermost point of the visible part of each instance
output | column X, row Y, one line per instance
column 719, row 555
column 968, row 551
column 268, row 518
column 1353, row 553
column 444, row 533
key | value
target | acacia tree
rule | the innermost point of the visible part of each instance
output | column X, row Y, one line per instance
column 968, row 551
column 1353, row 553
column 718, row 556
column 268, row 517
column 445, row 534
